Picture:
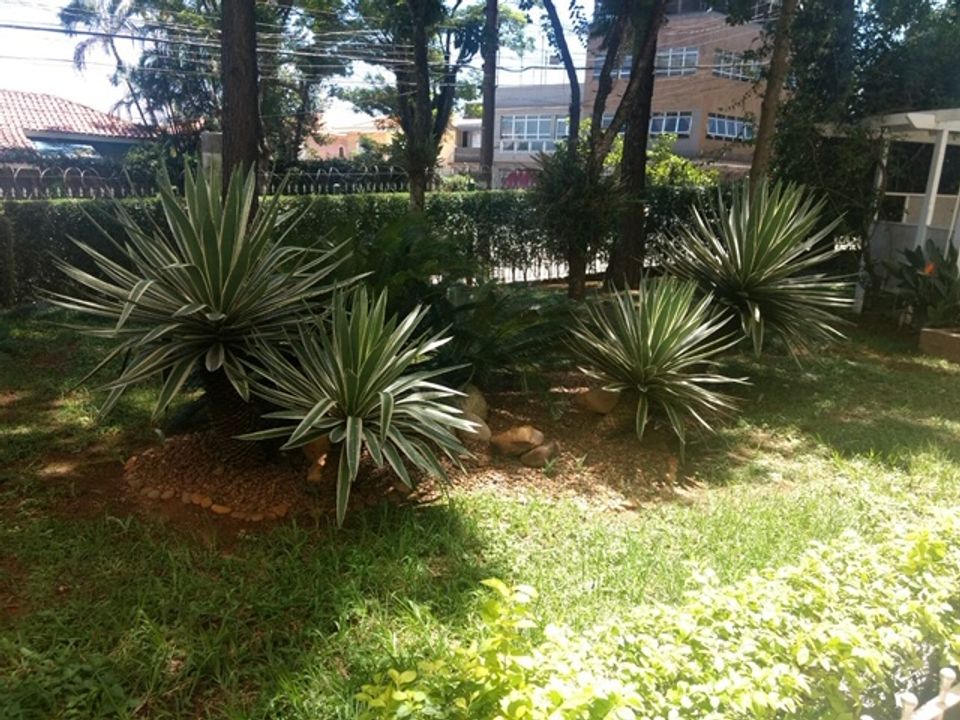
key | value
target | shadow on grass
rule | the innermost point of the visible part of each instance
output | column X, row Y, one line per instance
column 867, row 398
column 160, row 627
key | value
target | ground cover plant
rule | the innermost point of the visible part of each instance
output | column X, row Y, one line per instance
column 110, row 611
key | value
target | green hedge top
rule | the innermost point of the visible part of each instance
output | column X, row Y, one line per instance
column 494, row 228
column 831, row 637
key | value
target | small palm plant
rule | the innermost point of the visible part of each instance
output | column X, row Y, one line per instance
column 659, row 343
column 192, row 294
column 355, row 383
column 757, row 257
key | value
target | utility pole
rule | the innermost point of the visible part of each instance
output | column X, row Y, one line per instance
column 241, row 111
column 491, row 44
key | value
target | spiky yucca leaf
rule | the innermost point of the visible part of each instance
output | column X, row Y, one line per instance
column 355, row 382
column 659, row 342
column 194, row 292
column 757, row 258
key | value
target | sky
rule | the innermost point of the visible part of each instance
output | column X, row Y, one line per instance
column 43, row 62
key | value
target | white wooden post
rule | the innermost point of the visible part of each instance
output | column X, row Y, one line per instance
column 933, row 185
column 909, row 703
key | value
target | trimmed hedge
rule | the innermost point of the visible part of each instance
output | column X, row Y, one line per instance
column 833, row 636
column 495, row 229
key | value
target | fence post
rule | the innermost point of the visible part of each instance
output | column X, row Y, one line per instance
column 909, row 702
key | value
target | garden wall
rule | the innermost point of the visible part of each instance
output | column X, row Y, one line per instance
column 497, row 230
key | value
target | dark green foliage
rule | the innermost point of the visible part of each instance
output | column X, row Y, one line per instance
column 8, row 269
column 502, row 334
column 928, row 281
column 578, row 209
column 488, row 229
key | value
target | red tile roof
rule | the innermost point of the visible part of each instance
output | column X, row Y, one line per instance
column 25, row 113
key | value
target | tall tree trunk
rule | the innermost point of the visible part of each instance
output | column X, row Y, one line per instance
column 241, row 149
column 241, row 113
column 627, row 255
column 491, row 45
column 421, row 147
column 776, row 75
column 573, row 129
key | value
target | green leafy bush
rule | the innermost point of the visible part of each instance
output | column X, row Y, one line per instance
column 196, row 291
column 758, row 258
column 355, row 383
column 928, row 281
column 832, row 636
column 502, row 334
column 658, row 344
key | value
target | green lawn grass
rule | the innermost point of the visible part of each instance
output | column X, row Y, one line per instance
column 123, row 617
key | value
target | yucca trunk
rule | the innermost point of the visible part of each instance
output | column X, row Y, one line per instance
column 230, row 417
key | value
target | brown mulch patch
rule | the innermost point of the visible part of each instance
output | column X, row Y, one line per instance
column 185, row 471
column 182, row 481
column 601, row 463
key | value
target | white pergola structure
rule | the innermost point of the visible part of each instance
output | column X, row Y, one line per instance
column 930, row 215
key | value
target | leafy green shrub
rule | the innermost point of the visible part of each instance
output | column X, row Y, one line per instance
column 660, row 345
column 577, row 208
column 758, row 256
column 928, row 280
column 8, row 268
column 195, row 292
column 829, row 637
column 354, row 383
column 501, row 334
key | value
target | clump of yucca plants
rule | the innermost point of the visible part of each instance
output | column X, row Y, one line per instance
column 659, row 345
column 191, row 294
column 758, row 257
column 354, row 379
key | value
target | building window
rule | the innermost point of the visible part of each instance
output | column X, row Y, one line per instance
column 735, row 65
column 672, row 123
column 562, row 126
column 526, row 133
column 727, row 127
column 677, row 61
column 679, row 7
column 618, row 72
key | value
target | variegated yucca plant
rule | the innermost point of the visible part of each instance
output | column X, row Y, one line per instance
column 759, row 258
column 658, row 343
column 191, row 293
column 354, row 379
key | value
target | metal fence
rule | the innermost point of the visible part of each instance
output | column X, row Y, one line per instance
column 27, row 182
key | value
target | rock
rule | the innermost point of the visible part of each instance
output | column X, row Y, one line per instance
column 186, row 498
column 240, row 515
column 145, row 490
column 166, row 494
column 134, row 482
column 474, row 402
column 279, row 511
column 480, row 434
column 540, row 456
column 597, row 400
column 517, row 440
column 315, row 472
column 221, row 509
column 256, row 517
column 128, row 465
column 201, row 500
column 153, row 494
